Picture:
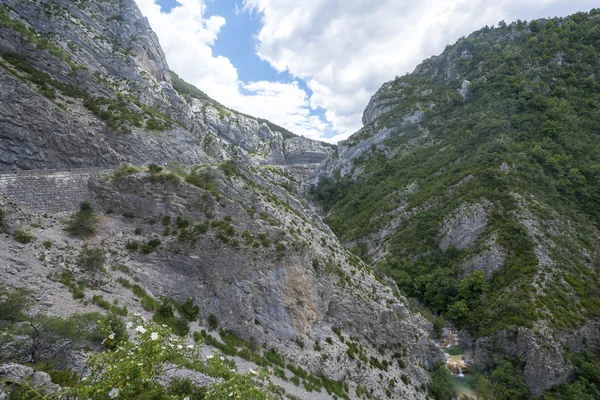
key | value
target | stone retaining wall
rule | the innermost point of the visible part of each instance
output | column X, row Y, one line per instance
column 47, row 190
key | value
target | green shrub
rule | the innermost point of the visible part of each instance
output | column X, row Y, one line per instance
column 126, row 170
column 185, row 388
column 64, row 377
column 204, row 180
column 213, row 322
column 229, row 168
column 165, row 314
column 273, row 357
column 124, row 282
column 101, row 302
column 148, row 302
column 84, row 222
column 92, row 259
column 189, row 310
column 23, row 237
column 197, row 336
column 154, row 169
column 154, row 124
column 13, row 304
column 132, row 245
column 441, row 387
column 47, row 244
column 150, row 246
column 128, row 214
column 232, row 339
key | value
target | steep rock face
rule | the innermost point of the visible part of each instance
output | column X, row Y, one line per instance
column 87, row 84
column 450, row 176
column 248, row 253
column 13, row 375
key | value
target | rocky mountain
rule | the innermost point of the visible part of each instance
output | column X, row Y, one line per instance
column 87, row 84
column 216, row 244
column 474, row 184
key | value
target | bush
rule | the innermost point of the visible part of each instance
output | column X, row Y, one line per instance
column 147, row 356
column 213, row 322
column 92, row 259
column 148, row 302
column 185, row 388
column 204, row 180
column 164, row 314
column 52, row 337
column 13, row 305
column 132, row 245
column 150, row 246
column 154, row 169
column 189, row 310
column 441, row 387
column 84, row 222
column 229, row 168
column 155, row 125
column 126, row 170
column 23, row 237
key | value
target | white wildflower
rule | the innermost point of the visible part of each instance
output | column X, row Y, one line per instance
column 179, row 347
column 113, row 393
column 208, row 357
column 140, row 329
column 190, row 346
column 129, row 325
column 222, row 358
column 154, row 336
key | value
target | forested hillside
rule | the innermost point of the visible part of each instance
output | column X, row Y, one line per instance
column 475, row 184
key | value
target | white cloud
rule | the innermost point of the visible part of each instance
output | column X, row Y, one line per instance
column 346, row 49
column 186, row 37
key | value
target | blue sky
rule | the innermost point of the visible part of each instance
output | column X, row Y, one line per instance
column 312, row 65
column 236, row 40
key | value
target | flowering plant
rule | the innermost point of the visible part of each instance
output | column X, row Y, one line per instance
column 132, row 368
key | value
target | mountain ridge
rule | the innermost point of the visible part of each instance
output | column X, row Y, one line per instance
column 485, row 159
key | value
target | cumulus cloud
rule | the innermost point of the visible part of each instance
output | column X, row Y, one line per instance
column 187, row 36
column 346, row 49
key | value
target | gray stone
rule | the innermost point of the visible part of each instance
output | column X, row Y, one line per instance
column 464, row 226
column 13, row 375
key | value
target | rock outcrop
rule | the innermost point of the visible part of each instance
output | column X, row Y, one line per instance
column 86, row 84
column 13, row 376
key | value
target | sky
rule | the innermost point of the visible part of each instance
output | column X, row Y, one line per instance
column 311, row 66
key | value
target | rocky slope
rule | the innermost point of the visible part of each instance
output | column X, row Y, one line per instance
column 485, row 159
column 86, row 84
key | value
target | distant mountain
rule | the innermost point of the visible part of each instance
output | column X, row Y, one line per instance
column 475, row 185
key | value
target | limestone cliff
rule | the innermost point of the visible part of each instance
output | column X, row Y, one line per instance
column 87, row 84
